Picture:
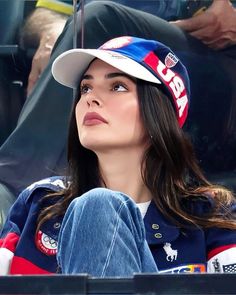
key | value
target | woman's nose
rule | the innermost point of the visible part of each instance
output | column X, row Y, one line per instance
column 93, row 101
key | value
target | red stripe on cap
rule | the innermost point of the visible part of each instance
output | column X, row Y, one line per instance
column 9, row 241
column 218, row 250
column 23, row 266
column 174, row 84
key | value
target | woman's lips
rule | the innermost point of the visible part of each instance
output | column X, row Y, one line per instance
column 93, row 118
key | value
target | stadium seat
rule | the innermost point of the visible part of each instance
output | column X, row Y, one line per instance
column 11, row 82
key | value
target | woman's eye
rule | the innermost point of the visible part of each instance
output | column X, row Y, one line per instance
column 119, row 87
column 84, row 89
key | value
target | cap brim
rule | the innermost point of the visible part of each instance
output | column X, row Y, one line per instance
column 70, row 65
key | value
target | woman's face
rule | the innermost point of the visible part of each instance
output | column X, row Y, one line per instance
column 107, row 113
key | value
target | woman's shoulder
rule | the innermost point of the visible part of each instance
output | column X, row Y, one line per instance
column 206, row 204
column 42, row 187
column 55, row 182
column 198, row 205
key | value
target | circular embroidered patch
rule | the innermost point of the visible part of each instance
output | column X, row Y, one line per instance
column 46, row 244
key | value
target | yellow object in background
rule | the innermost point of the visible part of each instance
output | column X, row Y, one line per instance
column 57, row 6
column 199, row 11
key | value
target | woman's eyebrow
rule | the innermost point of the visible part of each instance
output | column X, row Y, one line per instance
column 110, row 76
column 87, row 77
column 119, row 74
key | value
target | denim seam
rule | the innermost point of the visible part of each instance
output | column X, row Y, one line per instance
column 73, row 240
column 113, row 240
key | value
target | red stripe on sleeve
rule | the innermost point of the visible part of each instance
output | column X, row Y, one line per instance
column 25, row 267
column 218, row 250
column 9, row 241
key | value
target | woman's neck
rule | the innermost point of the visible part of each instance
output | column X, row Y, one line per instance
column 121, row 171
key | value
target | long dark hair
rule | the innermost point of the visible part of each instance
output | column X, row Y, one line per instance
column 169, row 168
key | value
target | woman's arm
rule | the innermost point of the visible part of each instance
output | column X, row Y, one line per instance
column 11, row 232
column 221, row 247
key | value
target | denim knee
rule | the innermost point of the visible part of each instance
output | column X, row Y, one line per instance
column 102, row 196
column 101, row 203
column 103, row 234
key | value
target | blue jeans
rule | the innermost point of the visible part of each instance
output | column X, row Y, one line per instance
column 103, row 234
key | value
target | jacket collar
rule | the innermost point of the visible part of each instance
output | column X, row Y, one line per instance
column 158, row 229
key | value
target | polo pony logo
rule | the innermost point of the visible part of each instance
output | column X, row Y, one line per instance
column 171, row 254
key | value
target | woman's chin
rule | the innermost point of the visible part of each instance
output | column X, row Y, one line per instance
column 93, row 145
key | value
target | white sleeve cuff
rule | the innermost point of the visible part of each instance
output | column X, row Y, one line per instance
column 5, row 260
column 224, row 261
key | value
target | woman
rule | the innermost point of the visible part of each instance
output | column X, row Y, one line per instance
column 135, row 199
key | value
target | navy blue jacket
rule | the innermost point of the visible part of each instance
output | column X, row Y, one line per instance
column 23, row 251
